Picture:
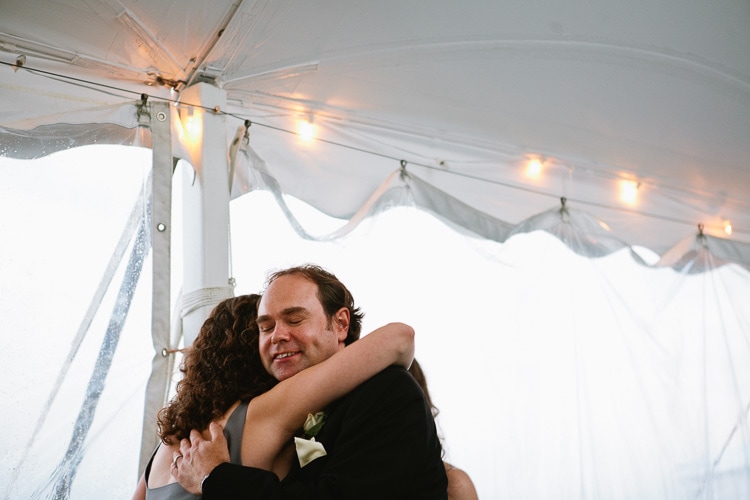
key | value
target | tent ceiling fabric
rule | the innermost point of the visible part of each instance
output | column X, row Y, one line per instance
column 655, row 92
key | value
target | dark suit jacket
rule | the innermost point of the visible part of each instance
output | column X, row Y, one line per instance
column 380, row 440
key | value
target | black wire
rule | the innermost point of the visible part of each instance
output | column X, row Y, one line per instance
column 65, row 77
column 354, row 148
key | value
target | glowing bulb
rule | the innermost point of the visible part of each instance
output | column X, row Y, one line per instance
column 534, row 168
column 306, row 129
column 193, row 126
column 629, row 191
column 728, row 227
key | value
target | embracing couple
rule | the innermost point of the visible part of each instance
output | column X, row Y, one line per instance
column 345, row 420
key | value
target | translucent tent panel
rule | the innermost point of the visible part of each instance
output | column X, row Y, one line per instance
column 64, row 217
column 556, row 375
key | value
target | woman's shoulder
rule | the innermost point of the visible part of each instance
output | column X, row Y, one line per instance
column 460, row 485
column 159, row 472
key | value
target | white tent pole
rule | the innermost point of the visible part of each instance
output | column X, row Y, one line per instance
column 205, row 206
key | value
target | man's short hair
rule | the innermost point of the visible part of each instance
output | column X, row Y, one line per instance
column 332, row 293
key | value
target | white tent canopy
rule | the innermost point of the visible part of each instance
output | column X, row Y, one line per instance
column 443, row 107
column 654, row 93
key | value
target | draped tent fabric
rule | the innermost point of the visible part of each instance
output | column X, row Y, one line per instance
column 250, row 172
column 617, row 366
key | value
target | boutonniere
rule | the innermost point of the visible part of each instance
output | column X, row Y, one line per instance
column 307, row 448
column 313, row 424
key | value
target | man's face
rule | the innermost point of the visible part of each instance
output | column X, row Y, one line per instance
column 294, row 330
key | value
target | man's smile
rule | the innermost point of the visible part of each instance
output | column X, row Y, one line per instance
column 284, row 355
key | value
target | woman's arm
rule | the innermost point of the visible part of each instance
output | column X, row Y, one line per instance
column 140, row 489
column 275, row 416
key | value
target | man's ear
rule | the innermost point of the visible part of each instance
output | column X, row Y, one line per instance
column 341, row 323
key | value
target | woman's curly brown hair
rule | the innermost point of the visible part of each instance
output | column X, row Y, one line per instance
column 222, row 367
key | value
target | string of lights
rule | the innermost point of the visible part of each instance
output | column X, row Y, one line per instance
column 629, row 188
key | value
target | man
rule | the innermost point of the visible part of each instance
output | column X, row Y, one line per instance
column 380, row 440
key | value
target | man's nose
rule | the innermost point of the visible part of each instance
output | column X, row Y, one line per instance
column 280, row 334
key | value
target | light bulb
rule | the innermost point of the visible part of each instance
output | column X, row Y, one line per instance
column 193, row 128
column 534, row 168
column 629, row 191
column 191, row 125
column 306, row 129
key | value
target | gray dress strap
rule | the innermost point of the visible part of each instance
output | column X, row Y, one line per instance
column 232, row 432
